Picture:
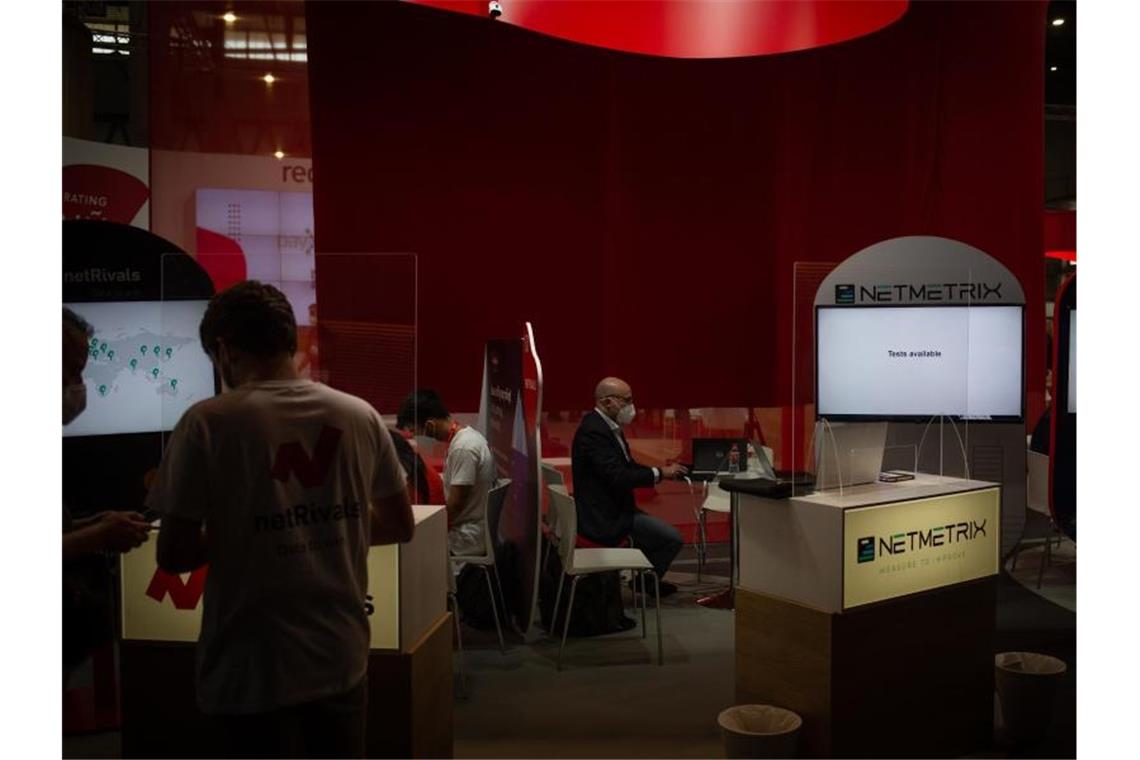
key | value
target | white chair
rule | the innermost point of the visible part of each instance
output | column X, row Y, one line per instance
column 579, row 562
column 486, row 561
column 1039, row 525
column 551, row 476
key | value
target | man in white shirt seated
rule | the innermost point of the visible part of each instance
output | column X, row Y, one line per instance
column 468, row 473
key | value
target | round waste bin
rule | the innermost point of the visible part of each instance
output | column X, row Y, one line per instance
column 1027, row 690
column 759, row 731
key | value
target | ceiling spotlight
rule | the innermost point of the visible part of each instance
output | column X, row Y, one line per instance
column 229, row 17
column 1052, row 68
column 1058, row 22
column 269, row 79
column 279, row 154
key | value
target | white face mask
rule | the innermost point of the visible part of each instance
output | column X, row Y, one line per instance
column 626, row 414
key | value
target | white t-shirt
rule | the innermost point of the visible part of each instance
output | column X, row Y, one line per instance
column 282, row 474
column 469, row 463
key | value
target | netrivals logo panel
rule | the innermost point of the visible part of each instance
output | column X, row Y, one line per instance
column 892, row 550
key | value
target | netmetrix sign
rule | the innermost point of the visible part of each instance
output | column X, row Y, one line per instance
column 896, row 549
column 904, row 293
column 911, row 540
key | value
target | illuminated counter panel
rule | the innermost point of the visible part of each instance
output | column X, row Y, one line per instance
column 407, row 590
column 897, row 549
column 410, row 692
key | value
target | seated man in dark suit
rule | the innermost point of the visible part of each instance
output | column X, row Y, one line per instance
column 604, row 478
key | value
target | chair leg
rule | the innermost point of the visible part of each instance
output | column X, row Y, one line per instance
column 702, row 543
column 566, row 625
column 557, row 598
column 503, row 599
column 1045, row 557
column 657, row 595
column 454, row 603
column 641, row 578
column 494, row 609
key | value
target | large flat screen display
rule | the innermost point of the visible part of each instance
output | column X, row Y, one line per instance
column 1072, row 390
column 145, row 366
column 890, row 362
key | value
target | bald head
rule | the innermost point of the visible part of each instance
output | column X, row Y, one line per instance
column 611, row 386
column 611, row 396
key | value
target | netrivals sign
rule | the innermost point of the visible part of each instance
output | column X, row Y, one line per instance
column 892, row 550
column 109, row 183
column 509, row 414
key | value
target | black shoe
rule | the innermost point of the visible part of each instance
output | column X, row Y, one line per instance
column 667, row 588
column 624, row 623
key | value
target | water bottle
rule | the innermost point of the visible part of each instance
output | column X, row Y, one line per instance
column 734, row 458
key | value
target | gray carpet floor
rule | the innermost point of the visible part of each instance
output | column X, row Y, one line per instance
column 611, row 698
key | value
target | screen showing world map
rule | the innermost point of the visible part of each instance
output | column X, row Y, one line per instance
column 145, row 366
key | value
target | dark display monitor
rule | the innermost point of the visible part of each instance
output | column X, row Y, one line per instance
column 917, row 362
column 145, row 366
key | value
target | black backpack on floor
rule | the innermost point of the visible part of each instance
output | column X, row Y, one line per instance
column 597, row 602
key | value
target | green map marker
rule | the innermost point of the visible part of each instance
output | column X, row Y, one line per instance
column 94, row 342
column 103, row 347
column 134, row 363
column 154, row 372
column 102, row 390
column 169, row 352
column 94, row 353
column 174, row 383
column 156, row 350
column 111, row 354
column 142, row 349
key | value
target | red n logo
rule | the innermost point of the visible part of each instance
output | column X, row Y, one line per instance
column 185, row 596
column 311, row 472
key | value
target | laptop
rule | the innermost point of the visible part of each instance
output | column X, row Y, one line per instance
column 849, row 453
column 799, row 479
column 711, row 457
column 769, row 482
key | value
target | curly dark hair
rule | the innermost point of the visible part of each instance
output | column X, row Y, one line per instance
column 420, row 406
column 251, row 316
column 77, row 323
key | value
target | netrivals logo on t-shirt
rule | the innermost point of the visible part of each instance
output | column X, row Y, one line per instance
column 291, row 460
column 310, row 471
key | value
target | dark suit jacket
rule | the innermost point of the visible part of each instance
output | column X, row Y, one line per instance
column 604, row 481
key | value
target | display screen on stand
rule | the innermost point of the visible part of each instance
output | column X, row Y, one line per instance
column 1072, row 400
column 914, row 362
column 145, row 366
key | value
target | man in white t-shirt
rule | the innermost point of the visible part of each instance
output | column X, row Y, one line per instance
column 468, row 474
column 281, row 485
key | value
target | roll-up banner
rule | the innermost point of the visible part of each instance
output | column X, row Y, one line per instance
column 509, row 414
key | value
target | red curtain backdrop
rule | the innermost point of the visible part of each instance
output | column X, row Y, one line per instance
column 645, row 213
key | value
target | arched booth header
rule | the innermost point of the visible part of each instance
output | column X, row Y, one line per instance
column 920, row 269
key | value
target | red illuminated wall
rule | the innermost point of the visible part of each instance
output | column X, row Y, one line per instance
column 645, row 213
